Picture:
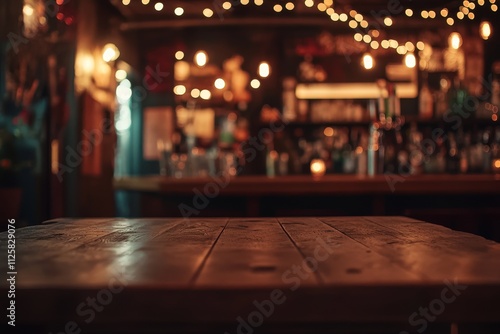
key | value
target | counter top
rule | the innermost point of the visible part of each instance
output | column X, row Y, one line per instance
column 307, row 185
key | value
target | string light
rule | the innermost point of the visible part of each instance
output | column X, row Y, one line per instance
column 368, row 61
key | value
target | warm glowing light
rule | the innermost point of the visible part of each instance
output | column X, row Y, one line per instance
column 329, row 3
column 358, row 37
column 444, row 12
column 367, row 38
column 410, row 60
column 343, row 17
column 195, row 93
column 179, row 90
column 455, row 40
column 201, row 58
column 393, row 43
column 207, row 12
column 401, row 49
column 179, row 55
column 374, row 45
column 110, row 53
column 328, row 132
column 145, row 2
column 485, row 30
column 358, row 17
column 179, row 11
column 205, row 94
column 120, row 75
column 28, row 10
column 126, row 2
column 460, row 15
column 409, row 12
column 278, row 8
column 264, row 70
column 245, row 2
column 353, row 24
column 497, row 163
column 368, row 61
column 385, row 44
column 388, row 21
column 364, row 24
column 220, row 83
column 309, row 3
column 255, row 83
column 409, row 46
column 335, row 17
column 226, row 5
column 290, row 6
column 432, row 14
column 158, row 6
column 420, row 45
column 318, row 167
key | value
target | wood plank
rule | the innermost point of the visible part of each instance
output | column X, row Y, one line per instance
column 432, row 252
column 252, row 253
column 348, row 262
column 84, row 255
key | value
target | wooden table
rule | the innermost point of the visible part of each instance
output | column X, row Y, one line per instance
column 246, row 275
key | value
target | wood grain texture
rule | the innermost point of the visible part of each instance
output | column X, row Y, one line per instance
column 328, row 270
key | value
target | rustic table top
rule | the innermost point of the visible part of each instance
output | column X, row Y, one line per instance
column 312, row 269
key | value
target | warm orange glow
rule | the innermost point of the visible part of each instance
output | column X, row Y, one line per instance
column 318, row 167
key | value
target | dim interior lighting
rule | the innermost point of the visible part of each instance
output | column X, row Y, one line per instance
column 364, row 24
column 375, row 33
column 368, row 61
column 388, row 21
column 343, row 17
column 401, row 49
column 258, row 2
column 328, row 132
column 409, row 46
column 496, row 164
column 409, row 12
column 201, row 58
column 264, row 69
column 455, row 40
column 358, row 37
column 318, row 167
column 277, row 8
column 145, row 2
column 28, row 10
column 374, row 45
column 480, row 2
column 158, row 6
column 353, row 24
column 393, row 43
column 330, row 11
column 353, row 13
column 494, row 8
column 207, row 12
column 358, row 17
column 255, row 83
column 432, row 14
column 226, row 5
column 289, row 6
column 180, row 90
column 329, row 3
column 179, row 55
column 245, row 2
column 195, row 93
column 110, row 53
column 179, row 11
column 120, row 75
column 126, row 2
column 220, row 83
column 335, row 17
column 471, row 16
column 309, row 3
column 424, row 14
column 410, row 60
column 485, row 30
column 444, row 12
column 367, row 38
column 420, row 45
column 321, row 7
column 205, row 94
column 460, row 15
column 450, row 21
column 385, row 44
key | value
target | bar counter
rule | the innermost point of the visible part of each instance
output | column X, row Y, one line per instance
column 325, row 185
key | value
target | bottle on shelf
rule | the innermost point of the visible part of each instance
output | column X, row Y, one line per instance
column 425, row 101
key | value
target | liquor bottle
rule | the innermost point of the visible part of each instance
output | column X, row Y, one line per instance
column 425, row 101
column 453, row 156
